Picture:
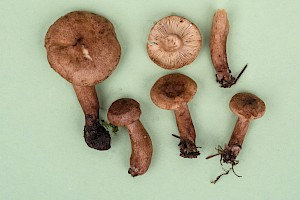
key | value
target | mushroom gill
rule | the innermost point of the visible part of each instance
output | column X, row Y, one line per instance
column 174, row 42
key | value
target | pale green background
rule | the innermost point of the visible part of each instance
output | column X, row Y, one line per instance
column 42, row 152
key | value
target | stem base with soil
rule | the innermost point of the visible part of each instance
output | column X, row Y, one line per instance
column 96, row 136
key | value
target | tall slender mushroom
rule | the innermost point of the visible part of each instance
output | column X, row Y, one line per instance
column 83, row 48
column 126, row 112
column 173, row 92
column 218, row 39
column 174, row 42
column 247, row 107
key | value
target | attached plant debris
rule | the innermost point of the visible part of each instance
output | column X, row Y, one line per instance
column 107, row 125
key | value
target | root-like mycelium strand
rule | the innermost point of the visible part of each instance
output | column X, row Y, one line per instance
column 228, row 156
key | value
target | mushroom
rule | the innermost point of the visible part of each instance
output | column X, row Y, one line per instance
column 174, row 42
column 218, row 38
column 247, row 107
column 173, row 92
column 126, row 112
column 83, row 48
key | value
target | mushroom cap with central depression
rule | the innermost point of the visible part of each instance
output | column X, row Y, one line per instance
column 124, row 112
column 83, row 48
column 247, row 105
column 174, row 42
column 171, row 91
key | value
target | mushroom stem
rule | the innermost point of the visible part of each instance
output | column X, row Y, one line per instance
column 239, row 132
column 88, row 100
column 234, row 146
column 95, row 135
column 218, row 40
column 187, row 133
column 141, row 149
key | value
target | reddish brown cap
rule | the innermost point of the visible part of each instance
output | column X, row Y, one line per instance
column 123, row 112
column 174, row 42
column 171, row 91
column 247, row 105
column 83, row 48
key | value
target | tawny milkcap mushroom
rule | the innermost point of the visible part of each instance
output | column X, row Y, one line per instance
column 247, row 107
column 174, row 42
column 218, row 39
column 83, row 48
column 126, row 112
column 173, row 92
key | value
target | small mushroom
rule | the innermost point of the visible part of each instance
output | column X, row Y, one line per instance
column 126, row 112
column 247, row 107
column 218, row 39
column 83, row 48
column 173, row 92
column 174, row 42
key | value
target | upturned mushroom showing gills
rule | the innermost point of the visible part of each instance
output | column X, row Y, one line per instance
column 247, row 107
column 174, row 42
column 83, row 48
column 173, row 92
column 126, row 112
column 218, row 39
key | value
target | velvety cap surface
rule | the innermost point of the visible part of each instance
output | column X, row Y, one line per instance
column 170, row 91
column 123, row 112
column 247, row 105
column 83, row 48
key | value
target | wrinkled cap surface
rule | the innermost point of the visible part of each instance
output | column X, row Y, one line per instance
column 247, row 105
column 171, row 91
column 123, row 112
column 174, row 42
column 83, row 48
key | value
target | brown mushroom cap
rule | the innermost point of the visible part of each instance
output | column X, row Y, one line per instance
column 123, row 112
column 174, row 42
column 83, row 48
column 171, row 91
column 247, row 105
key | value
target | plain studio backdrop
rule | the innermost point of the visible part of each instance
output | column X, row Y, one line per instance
column 42, row 151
